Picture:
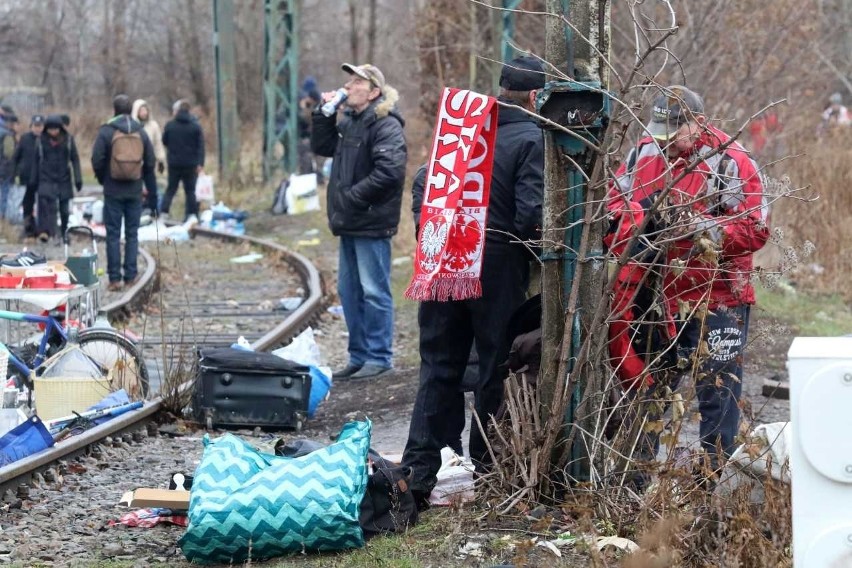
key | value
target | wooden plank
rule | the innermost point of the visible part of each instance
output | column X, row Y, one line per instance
column 774, row 388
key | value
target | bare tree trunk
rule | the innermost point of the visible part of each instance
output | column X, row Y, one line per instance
column 170, row 87
column 118, row 48
column 353, row 29
column 371, row 33
column 198, row 85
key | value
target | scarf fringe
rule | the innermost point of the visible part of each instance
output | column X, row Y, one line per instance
column 444, row 289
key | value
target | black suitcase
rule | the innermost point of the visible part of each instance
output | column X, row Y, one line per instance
column 249, row 389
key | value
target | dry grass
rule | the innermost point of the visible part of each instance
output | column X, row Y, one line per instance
column 819, row 214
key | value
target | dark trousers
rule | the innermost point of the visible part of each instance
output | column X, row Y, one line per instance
column 447, row 332
column 719, row 376
column 29, row 210
column 127, row 208
column 150, row 201
column 47, row 209
column 187, row 175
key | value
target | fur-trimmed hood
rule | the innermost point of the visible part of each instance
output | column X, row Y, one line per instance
column 387, row 103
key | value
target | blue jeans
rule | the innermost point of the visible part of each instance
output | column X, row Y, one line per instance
column 363, row 284
column 116, row 208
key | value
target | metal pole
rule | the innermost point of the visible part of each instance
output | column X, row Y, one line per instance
column 280, row 86
column 572, row 276
column 227, row 121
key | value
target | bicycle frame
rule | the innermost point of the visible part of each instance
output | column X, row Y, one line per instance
column 50, row 326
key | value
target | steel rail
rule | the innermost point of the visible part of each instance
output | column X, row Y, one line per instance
column 135, row 297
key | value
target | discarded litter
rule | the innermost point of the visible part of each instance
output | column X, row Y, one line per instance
column 311, row 232
column 401, row 260
column 147, row 518
column 335, row 310
column 289, row 304
column 247, row 258
column 308, row 242
column 618, row 542
column 455, row 480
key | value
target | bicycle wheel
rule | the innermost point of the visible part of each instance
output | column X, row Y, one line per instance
column 119, row 356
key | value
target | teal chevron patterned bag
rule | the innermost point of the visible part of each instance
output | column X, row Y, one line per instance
column 245, row 503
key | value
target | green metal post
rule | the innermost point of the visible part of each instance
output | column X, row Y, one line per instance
column 227, row 120
column 582, row 106
column 280, row 86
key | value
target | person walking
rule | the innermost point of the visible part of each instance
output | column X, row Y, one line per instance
column 715, row 219
column 142, row 114
column 122, row 159
column 55, row 171
column 448, row 329
column 8, row 145
column 25, row 155
column 184, row 142
column 364, row 202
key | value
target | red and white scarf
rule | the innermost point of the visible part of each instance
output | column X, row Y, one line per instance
column 448, row 260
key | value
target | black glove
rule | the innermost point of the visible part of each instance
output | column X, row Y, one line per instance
column 161, row 167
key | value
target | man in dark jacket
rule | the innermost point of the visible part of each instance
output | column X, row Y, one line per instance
column 25, row 154
column 122, row 182
column 55, row 172
column 184, row 142
column 8, row 143
column 364, row 200
column 448, row 329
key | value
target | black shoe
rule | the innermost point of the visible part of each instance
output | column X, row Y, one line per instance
column 369, row 371
column 346, row 372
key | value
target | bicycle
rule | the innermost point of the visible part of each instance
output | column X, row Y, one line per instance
column 111, row 350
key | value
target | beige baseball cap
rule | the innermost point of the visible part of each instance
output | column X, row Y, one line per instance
column 369, row 72
column 676, row 106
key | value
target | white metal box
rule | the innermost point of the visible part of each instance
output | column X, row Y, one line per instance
column 820, row 371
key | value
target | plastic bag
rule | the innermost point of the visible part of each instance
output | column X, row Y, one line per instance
column 72, row 362
column 248, row 503
column 302, row 350
column 24, row 440
column 204, row 188
column 301, row 195
column 14, row 206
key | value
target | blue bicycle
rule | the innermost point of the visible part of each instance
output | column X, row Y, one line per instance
column 108, row 348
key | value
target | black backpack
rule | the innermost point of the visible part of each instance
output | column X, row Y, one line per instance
column 388, row 505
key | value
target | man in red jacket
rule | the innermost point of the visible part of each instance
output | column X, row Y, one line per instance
column 704, row 196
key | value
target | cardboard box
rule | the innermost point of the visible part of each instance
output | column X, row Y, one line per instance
column 147, row 497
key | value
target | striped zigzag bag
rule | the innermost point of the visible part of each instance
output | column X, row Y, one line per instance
column 245, row 503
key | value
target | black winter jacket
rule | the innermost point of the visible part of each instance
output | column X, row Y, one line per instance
column 7, row 152
column 25, row 153
column 56, row 166
column 101, row 154
column 517, row 180
column 368, row 172
column 184, row 141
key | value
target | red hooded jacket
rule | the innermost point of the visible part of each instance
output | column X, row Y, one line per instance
column 724, row 194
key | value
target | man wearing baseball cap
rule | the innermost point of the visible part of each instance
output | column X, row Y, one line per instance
column 364, row 200
column 448, row 329
column 24, row 156
column 710, row 217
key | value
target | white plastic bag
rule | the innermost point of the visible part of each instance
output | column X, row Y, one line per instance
column 204, row 188
column 14, row 206
column 302, row 194
column 302, row 350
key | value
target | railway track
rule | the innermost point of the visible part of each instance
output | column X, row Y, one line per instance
column 179, row 315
